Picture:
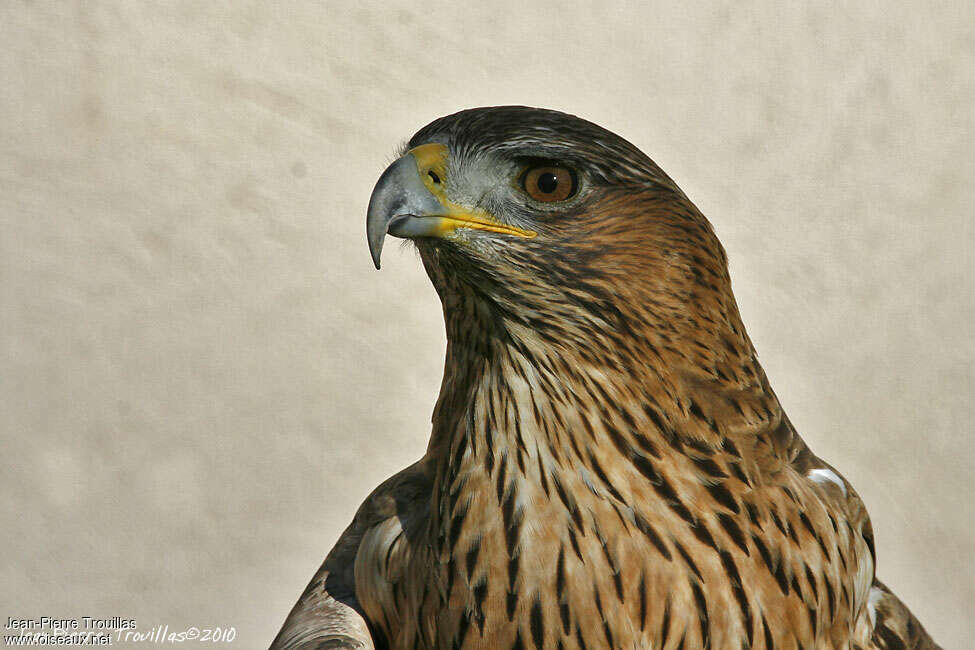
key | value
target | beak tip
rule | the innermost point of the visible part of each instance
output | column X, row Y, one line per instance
column 376, row 251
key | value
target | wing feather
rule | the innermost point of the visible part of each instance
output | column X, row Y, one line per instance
column 359, row 573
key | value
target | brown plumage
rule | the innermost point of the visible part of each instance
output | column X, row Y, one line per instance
column 608, row 466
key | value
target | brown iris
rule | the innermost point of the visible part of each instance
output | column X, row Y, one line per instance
column 549, row 183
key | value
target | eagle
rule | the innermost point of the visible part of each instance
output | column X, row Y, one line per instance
column 608, row 465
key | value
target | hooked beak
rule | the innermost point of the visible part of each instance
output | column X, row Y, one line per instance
column 410, row 201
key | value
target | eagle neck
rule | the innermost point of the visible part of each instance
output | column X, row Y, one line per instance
column 510, row 397
column 583, row 391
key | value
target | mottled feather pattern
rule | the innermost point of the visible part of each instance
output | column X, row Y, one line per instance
column 608, row 465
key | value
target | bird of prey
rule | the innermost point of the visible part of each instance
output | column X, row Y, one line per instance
column 608, row 465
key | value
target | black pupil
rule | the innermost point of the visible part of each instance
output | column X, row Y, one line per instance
column 547, row 182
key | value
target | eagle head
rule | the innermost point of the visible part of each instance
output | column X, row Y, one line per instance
column 532, row 220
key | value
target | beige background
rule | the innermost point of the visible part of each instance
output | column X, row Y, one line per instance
column 202, row 375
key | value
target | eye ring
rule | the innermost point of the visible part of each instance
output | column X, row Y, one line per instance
column 549, row 183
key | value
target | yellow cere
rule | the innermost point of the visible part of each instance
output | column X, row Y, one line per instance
column 433, row 158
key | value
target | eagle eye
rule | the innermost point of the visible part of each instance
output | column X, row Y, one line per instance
column 549, row 183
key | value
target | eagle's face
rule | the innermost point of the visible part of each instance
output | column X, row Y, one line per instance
column 526, row 208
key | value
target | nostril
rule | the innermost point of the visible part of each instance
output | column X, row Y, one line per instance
column 433, row 176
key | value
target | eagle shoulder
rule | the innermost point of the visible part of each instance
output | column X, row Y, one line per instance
column 357, row 573
column 887, row 623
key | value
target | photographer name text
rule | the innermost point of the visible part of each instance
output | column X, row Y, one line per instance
column 91, row 630
column 65, row 624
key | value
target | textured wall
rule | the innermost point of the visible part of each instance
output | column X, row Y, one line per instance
column 202, row 375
